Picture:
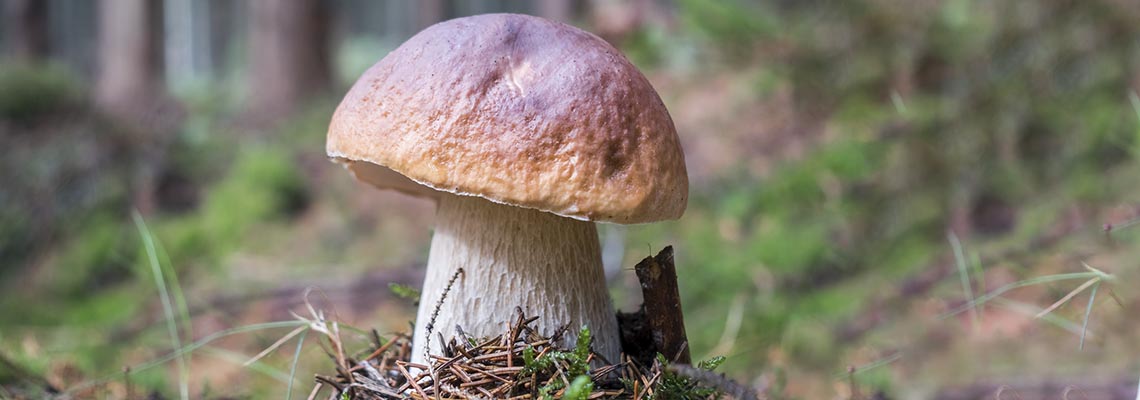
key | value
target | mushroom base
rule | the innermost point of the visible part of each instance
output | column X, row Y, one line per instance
column 548, row 265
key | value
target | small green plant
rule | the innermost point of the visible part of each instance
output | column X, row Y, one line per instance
column 577, row 360
column 579, row 389
column 405, row 292
column 577, row 365
column 677, row 386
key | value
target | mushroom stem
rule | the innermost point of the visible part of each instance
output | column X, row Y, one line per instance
column 548, row 265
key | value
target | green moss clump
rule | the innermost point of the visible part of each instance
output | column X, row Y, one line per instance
column 27, row 92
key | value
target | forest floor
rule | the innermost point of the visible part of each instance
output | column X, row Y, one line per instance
column 918, row 209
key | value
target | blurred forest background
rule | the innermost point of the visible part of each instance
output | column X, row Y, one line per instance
column 861, row 171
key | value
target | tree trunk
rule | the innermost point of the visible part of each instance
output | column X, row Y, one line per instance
column 558, row 10
column 430, row 12
column 130, row 58
column 130, row 87
column 25, row 29
column 616, row 20
column 289, row 57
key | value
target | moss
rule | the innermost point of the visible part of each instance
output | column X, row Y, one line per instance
column 262, row 185
column 675, row 386
column 576, row 363
column 31, row 91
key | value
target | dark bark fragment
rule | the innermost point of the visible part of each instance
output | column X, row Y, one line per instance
column 662, row 305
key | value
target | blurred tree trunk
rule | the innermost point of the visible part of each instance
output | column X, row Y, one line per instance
column 558, row 10
column 289, row 57
column 130, row 87
column 616, row 20
column 129, row 80
column 25, row 25
column 430, row 12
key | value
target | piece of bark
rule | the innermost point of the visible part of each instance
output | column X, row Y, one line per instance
column 662, row 304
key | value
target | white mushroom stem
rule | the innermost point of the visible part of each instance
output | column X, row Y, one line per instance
column 548, row 265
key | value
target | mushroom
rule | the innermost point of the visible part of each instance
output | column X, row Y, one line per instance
column 526, row 131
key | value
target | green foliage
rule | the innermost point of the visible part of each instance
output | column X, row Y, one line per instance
column 306, row 131
column 57, row 175
column 262, row 185
column 733, row 24
column 575, row 363
column 874, row 380
column 581, row 352
column 405, row 292
column 673, row 386
column 544, row 392
column 576, row 360
column 166, row 284
column 531, row 364
column 712, row 363
column 645, row 47
column 579, row 389
column 23, row 362
column 15, row 242
column 930, row 110
column 101, row 253
column 30, row 91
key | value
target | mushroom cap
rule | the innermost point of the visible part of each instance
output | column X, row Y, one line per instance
column 518, row 110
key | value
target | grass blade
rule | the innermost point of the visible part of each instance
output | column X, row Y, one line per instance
column 1067, row 297
column 176, row 291
column 167, row 304
column 964, row 276
column 276, row 344
column 1135, row 100
column 1019, row 284
column 872, row 365
column 293, row 367
column 239, row 359
column 897, row 101
column 187, row 349
column 1031, row 311
column 1088, row 312
column 979, row 275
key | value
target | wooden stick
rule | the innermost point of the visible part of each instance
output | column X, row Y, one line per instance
column 662, row 305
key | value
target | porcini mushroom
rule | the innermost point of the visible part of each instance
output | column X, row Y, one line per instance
column 526, row 131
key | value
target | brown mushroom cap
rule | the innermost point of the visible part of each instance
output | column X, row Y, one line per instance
column 518, row 110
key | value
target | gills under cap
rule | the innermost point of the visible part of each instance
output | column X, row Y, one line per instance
column 518, row 110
